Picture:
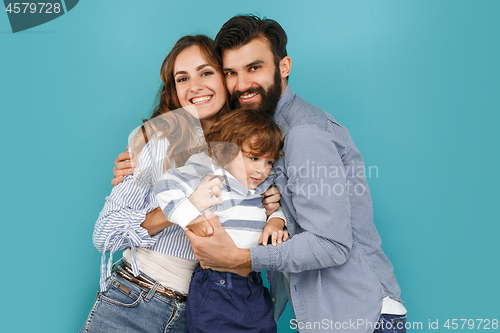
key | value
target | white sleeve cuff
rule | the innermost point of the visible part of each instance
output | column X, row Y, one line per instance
column 184, row 213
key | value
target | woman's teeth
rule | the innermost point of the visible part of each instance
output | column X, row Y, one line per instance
column 197, row 100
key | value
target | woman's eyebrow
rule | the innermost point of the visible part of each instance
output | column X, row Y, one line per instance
column 197, row 69
column 201, row 67
column 180, row 72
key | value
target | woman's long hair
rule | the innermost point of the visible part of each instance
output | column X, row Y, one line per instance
column 180, row 126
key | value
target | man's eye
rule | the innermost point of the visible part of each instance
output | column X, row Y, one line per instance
column 254, row 68
column 229, row 73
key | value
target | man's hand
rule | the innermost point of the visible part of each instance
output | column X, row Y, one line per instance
column 274, row 228
column 271, row 200
column 208, row 193
column 123, row 167
column 200, row 227
column 219, row 252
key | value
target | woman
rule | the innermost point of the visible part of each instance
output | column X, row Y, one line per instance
column 154, row 300
column 147, row 292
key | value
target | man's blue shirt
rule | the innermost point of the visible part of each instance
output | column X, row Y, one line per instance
column 338, row 271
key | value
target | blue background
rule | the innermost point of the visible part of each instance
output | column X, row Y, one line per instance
column 415, row 82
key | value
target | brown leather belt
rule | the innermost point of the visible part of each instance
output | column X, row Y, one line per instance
column 145, row 283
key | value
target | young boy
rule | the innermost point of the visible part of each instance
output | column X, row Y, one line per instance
column 242, row 147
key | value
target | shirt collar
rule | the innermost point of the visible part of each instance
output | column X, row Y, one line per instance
column 280, row 113
column 286, row 97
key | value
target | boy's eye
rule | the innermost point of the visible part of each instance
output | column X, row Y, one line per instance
column 253, row 158
column 270, row 162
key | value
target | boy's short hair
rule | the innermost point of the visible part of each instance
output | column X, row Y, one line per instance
column 246, row 125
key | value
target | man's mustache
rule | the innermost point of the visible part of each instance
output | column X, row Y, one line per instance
column 238, row 93
column 234, row 98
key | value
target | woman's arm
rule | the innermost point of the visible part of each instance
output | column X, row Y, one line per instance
column 155, row 222
column 130, row 216
column 119, row 223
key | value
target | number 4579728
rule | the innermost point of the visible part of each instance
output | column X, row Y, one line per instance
column 471, row 324
column 33, row 7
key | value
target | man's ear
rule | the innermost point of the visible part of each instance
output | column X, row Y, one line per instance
column 285, row 66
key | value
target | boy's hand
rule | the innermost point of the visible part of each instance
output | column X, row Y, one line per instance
column 201, row 227
column 274, row 229
column 123, row 167
column 208, row 193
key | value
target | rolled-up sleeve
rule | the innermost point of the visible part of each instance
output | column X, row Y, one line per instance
column 119, row 224
column 126, row 208
column 123, row 212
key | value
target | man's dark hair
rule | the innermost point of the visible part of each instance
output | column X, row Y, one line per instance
column 242, row 29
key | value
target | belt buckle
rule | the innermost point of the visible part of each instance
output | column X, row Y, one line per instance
column 141, row 281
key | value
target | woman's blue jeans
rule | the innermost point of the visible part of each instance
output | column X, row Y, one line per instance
column 125, row 308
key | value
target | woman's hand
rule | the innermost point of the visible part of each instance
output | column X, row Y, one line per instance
column 123, row 167
column 274, row 229
column 271, row 200
column 208, row 193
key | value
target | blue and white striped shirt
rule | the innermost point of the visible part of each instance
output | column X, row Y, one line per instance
column 241, row 213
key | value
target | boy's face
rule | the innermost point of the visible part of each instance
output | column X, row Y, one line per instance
column 249, row 169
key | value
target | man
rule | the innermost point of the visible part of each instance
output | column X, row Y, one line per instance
column 332, row 270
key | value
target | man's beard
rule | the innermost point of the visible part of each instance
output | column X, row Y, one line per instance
column 269, row 98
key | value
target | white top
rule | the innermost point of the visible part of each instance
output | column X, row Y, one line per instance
column 169, row 271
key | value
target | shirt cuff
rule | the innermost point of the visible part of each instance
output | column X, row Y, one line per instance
column 184, row 213
column 264, row 258
column 136, row 218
